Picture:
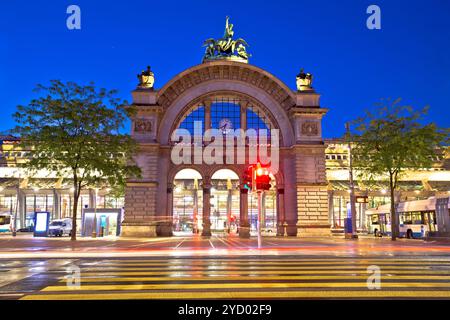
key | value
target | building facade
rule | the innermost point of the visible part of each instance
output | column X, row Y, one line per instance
column 309, row 194
column 247, row 97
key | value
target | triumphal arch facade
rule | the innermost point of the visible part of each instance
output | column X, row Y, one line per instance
column 226, row 94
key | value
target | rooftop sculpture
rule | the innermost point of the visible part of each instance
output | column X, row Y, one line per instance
column 226, row 48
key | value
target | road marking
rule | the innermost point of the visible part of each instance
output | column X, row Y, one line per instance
column 251, row 267
column 254, row 272
column 253, row 263
column 18, row 274
column 244, row 294
column 254, row 278
column 181, row 278
column 184, row 286
column 234, row 243
column 212, row 246
column 283, row 260
column 179, row 244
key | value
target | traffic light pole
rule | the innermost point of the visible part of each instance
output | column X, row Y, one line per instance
column 258, row 222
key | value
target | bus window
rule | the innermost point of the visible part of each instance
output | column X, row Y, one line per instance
column 408, row 218
column 5, row 220
column 417, row 218
column 429, row 220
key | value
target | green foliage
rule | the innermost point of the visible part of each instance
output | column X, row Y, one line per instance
column 393, row 140
column 74, row 130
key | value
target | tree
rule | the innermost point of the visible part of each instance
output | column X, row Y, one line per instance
column 394, row 140
column 74, row 131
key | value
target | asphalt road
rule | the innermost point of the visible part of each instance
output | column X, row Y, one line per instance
column 222, row 267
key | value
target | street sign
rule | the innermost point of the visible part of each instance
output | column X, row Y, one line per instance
column 361, row 199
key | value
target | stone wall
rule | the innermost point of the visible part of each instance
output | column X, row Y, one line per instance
column 141, row 196
column 312, row 195
column 312, row 204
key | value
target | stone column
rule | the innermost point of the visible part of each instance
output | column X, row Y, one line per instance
column 92, row 198
column 206, row 232
column 331, row 208
column 229, row 205
column 280, row 212
column 21, row 210
column 165, row 229
column 244, row 225
column 56, row 205
column 243, row 106
column 207, row 105
column 290, row 194
column 164, row 198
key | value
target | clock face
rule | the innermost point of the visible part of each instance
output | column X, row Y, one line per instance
column 225, row 125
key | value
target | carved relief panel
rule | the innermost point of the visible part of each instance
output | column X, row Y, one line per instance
column 145, row 127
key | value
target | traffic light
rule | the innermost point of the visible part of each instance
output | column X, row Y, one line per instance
column 262, row 178
column 248, row 178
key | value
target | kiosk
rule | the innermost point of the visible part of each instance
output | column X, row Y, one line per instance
column 41, row 222
column 108, row 222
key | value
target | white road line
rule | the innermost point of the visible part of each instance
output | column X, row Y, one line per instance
column 180, row 243
column 211, row 244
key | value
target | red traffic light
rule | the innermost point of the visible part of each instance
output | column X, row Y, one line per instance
column 248, row 178
column 262, row 178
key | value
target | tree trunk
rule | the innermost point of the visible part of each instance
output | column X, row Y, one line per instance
column 393, row 214
column 76, row 195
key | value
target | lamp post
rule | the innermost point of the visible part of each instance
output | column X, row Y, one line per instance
column 352, row 185
column 14, row 232
column 94, row 230
column 258, row 222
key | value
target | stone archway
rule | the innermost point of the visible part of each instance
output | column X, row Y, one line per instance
column 173, row 112
column 301, row 198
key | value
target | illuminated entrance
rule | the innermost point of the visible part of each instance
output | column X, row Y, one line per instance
column 187, row 202
column 224, row 201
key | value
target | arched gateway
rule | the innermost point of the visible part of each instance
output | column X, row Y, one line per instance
column 225, row 93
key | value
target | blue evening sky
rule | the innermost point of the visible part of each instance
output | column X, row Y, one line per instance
column 353, row 67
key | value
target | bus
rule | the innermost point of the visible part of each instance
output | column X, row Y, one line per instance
column 416, row 218
column 5, row 222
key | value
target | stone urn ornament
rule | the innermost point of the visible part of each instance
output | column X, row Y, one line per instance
column 146, row 79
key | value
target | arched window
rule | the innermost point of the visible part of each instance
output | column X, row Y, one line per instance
column 198, row 114
column 224, row 113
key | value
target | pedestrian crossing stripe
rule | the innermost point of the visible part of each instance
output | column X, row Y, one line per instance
column 218, row 268
column 436, row 294
column 256, row 278
column 281, row 260
column 209, row 286
column 252, row 263
column 250, row 279
column 274, row 272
